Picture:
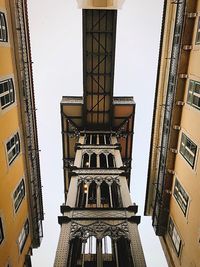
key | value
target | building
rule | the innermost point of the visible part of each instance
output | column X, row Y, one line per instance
column 173, row 185
column 99, row 226
column 21, row 210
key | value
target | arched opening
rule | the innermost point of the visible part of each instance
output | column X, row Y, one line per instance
column 105, row 195
column 94, row 139
column 111, row 162
column 92, row 196
column 93, row 160
column 90, row 247
column 124, row 252
column 85, row 161
column 101, row 139
column 87, row 139
column 107, row 139
column 116, row 195
column 89, row 257
column 82, row 195
column 108, row 252
column 75, row 254
column 106, row 245
column 103, row 161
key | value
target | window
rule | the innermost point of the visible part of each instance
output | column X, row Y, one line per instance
column 105, row 195
column 173, row 233
column 85, row 161
column 7, row 95
column 198, row 32
column 97, row 139
column 92, row 195
column 91, row 139
column 90, row 246
column 3, row 28
column 116, row 195
column 93, row 160
column 94, row 139
column 23, row 235
column 19, row 195
column 103, row 161
column 181, row 196
column 193, row 97
column 188, row 149
column 111, row 162
column 1, row 231
column 13, row 148
column 82, row 195
column 107, row 245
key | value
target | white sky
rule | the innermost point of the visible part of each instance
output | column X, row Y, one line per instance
column 56, row 42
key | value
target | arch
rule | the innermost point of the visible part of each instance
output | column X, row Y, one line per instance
column 87, row 139
column 101, row 139
column 94, row 139
column 74, row 252
column 107, row 139
column 90, row 246
column 107, row 245
column 116, row 195
column 103, row 161
column 111, row 161
column 93, row 160
column 92, row 195
column 82, row 195
column 124, row 252
column 85, row 161
column 105, row 195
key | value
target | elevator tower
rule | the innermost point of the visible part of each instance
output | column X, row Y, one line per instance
column 99, row 225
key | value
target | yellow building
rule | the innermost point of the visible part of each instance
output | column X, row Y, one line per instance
column 172, row 197
column 21, row 211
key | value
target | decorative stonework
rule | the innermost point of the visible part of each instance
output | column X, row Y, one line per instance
column 99, row 229
column 98, row 151
column 88, row 179
column 98, row 171
column 99, row 214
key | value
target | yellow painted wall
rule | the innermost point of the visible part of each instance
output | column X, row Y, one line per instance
column 10, row 176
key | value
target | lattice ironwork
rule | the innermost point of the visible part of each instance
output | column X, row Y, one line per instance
column 99, row 229
column 99, row 30
column 161, row 207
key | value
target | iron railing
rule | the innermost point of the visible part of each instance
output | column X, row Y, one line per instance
column 161, row 205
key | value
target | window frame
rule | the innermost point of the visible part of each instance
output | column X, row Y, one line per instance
column 174, row 236
column 21, row 192
column 15, row 145
column 8, row 93
column 181, row 196
column 2, row 235
column 3, row 28
column 21, row 240
column 197, row 40
column 192, row 94
column 185, row 150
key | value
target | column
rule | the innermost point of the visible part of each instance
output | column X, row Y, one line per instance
column 63, row 246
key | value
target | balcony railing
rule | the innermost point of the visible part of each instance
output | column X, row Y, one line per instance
column 161, row 205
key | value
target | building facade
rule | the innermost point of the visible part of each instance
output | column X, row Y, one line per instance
column 21, row 210
column 99, row 225
column 172, row 195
